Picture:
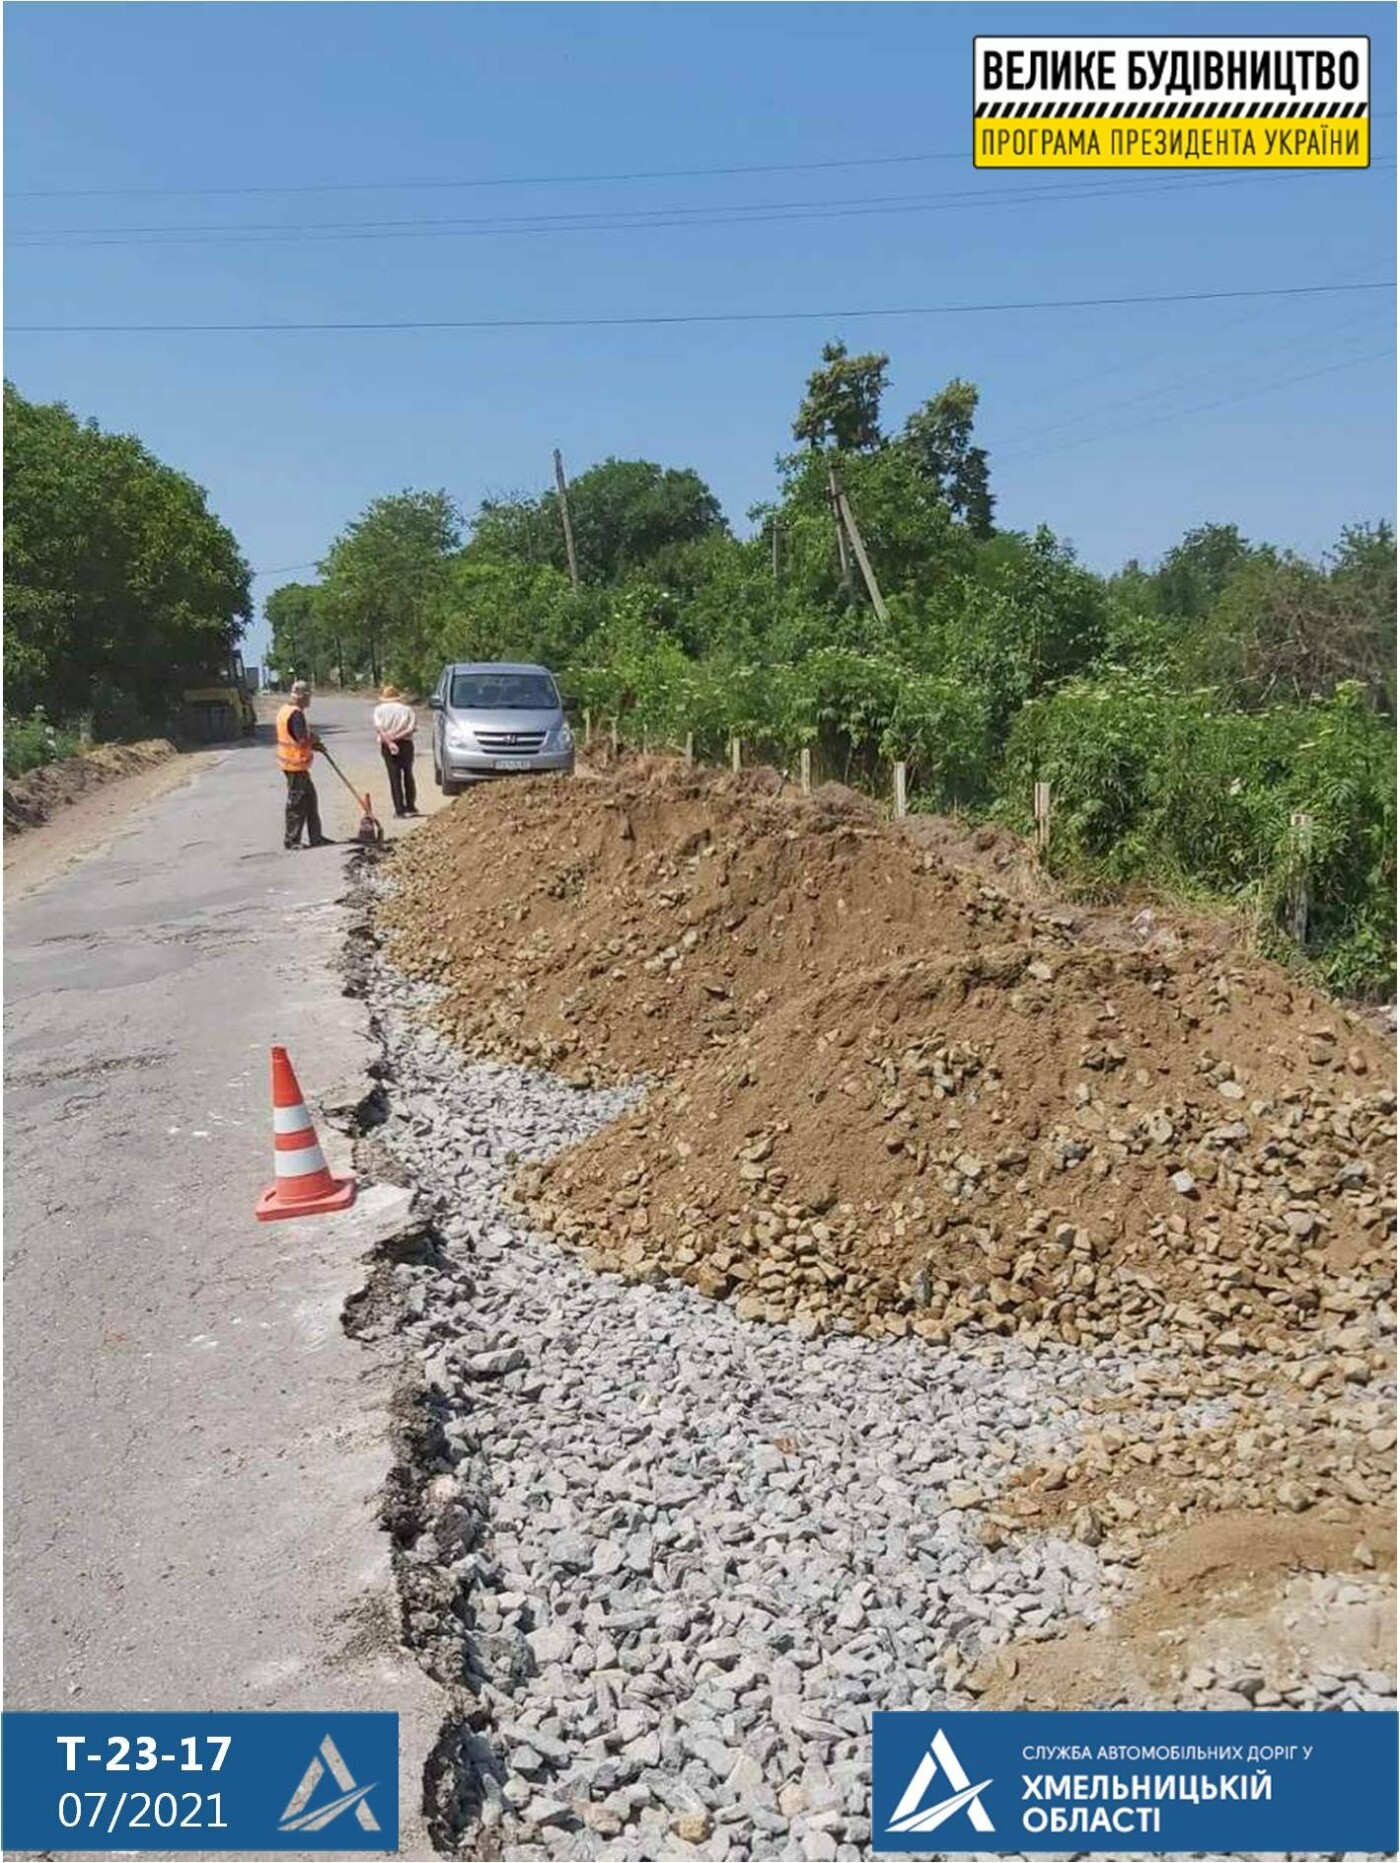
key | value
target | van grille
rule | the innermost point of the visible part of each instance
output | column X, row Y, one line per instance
column 511, row 743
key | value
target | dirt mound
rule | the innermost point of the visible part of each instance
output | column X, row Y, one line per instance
column 31, row 799
column 1100, row 1147
column 620, row 925
column 892, row 1095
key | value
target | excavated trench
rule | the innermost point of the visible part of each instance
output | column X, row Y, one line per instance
column 418, row 1509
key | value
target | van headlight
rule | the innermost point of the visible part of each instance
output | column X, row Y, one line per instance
column 561, row 738
column 459, row 737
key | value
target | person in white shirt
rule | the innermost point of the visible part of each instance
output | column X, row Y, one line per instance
column 394, row 725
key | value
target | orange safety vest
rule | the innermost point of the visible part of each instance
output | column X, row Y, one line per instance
column 291, row 754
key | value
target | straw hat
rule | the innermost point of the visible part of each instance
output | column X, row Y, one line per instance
column 391, row 692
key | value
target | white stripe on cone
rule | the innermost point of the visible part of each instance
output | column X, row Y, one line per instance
column 300, row 1163
column 290, row 1118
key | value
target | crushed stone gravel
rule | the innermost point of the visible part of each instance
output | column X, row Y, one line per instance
column 688, row 1555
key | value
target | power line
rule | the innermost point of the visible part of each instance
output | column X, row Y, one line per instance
column 1014, row 458
column 1104, row 370
column 1306, row 340
column 690, row 317
column 259, row 232
column 490, row 181
column 508, row 181
column 1200, row 407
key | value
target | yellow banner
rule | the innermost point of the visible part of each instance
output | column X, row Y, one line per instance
column 1171, row 142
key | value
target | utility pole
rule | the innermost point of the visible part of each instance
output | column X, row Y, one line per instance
column 777, row 556
column 843, row 505
column 563, row 486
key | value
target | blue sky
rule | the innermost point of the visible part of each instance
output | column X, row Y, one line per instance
column 1084, row 412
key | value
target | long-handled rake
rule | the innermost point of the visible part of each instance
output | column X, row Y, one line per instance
column 370, row 831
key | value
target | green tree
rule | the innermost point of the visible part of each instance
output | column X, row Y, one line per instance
column 1193, row 574
column 501, row 609
column 626, row 511
column 1285, row 628
column 939, row 435
column 520, row 529
column 842, row 405
column 915, row 546
column 1029, row 617
column 121, row 586
column 299, row 647
column 385, row 580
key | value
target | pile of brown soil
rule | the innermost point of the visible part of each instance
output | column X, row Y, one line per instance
column 31, row 799
column 893, row 1095
column 1096, row 1146
column 619, row 925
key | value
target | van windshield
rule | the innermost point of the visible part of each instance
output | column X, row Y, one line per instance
column 503, row 692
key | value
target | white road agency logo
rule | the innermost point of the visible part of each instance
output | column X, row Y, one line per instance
column 297, row 1818
column 964, row 1795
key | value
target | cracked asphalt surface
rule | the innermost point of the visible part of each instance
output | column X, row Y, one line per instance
column 194, row 1448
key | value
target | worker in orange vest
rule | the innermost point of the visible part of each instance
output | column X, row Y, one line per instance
column 297, row 744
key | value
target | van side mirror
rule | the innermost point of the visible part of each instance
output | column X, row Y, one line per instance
column 435, row 703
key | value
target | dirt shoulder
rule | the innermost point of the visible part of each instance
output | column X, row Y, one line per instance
column 39, row 795
column 59, row 814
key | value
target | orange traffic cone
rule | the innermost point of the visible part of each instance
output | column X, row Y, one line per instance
column 304, row 1185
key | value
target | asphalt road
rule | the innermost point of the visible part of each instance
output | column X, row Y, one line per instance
column 193, row 1447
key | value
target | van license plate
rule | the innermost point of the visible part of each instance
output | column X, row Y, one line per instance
column 514, row 763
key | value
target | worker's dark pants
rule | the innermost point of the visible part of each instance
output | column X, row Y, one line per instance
column 303, row 810
column 401, row 784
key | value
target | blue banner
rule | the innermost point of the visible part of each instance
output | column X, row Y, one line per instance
column 1127, row 1782
column 241, row 1781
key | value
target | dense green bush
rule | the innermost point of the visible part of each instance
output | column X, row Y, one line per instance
column 1169, row 787
column 33, row 741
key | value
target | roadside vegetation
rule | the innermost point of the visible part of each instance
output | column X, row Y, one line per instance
column 32, row 742
column 1186, row 714
column 121, row 586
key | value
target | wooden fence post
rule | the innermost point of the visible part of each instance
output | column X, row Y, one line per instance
column 1042, row 816
column 690, row 747
column 736, row 755
column 587, row 727
column 901, row 805
column 614, row 739
column 804, row 765
column 1300, row 825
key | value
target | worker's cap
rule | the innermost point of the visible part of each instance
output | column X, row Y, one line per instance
column 391, row 692
column 300, row 689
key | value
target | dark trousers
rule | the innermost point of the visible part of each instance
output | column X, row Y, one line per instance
column 402, row 787
column 303, row 810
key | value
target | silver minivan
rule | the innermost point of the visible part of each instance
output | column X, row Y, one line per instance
column 497, row 719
